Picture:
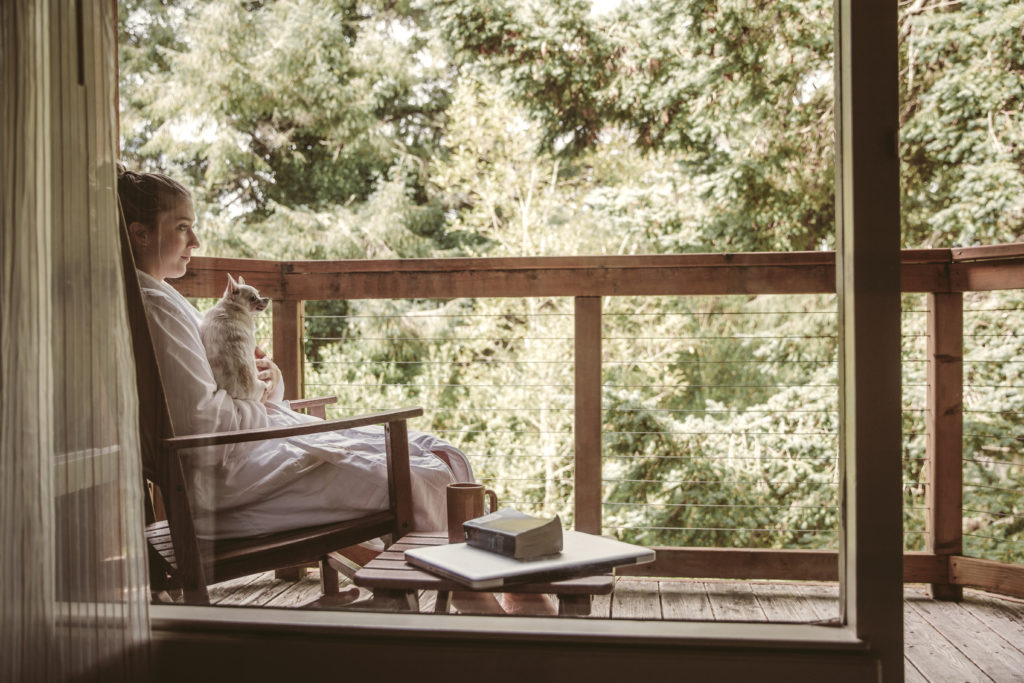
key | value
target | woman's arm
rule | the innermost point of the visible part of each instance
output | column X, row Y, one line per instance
column 196, row 404
column 270, row 374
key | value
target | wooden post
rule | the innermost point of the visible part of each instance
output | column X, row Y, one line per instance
column 399, row 478
column 868, row 288
column 588, row 414
column 945, row 432
column 288, row 345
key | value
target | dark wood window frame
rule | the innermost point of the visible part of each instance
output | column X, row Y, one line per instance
column 207, row 642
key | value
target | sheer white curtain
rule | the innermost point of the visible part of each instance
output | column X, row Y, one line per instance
column 73, row 584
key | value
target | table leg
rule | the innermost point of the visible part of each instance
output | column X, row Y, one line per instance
column 573, row 605
column 443, row 603
column 395, row 600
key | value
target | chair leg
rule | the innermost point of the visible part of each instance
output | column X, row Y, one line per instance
column 573, row 605
column 290, row 573
column 328, row 577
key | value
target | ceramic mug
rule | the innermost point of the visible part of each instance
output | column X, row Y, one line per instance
column 466, row 501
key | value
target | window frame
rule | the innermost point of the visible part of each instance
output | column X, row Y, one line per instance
column 869, row 639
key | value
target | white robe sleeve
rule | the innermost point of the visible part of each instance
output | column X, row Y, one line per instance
column 195, row 403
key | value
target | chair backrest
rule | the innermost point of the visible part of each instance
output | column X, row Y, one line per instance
column 154, row 417
column 160, row 466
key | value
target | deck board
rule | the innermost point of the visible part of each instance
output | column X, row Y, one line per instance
column 979, row 639
column 975, row 640
column 634, row 599
column 734, row 601
column 784, row 603
column 927, row 649
column 684, row 600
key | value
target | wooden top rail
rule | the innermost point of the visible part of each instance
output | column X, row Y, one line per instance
column 808, row 272
column 996, row 251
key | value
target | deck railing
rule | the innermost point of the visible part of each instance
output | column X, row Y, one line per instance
column 941, row 275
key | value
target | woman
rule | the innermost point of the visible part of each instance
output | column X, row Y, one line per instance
column 263, row 487
column 258, row 488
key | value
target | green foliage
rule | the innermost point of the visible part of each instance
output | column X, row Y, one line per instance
column 962, row 126
column 737, row 92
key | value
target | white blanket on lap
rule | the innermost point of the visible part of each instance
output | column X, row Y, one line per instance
column 263, row 487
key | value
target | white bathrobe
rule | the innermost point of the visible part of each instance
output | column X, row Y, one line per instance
column 262, row 487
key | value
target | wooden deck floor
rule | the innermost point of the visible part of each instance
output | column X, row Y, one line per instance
column 979, row 639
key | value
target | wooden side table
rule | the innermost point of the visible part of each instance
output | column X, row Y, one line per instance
column 395, row 583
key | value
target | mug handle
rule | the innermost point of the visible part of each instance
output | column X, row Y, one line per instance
column 492, row 497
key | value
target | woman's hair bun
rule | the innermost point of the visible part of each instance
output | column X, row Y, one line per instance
column 143, row 195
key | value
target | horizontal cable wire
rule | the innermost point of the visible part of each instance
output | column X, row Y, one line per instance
column 994, row 462
column 501, row 431
column 721, row 457
column 1001, row 515
column 716, row 505
column 541, row 456
column 713, row 362
column 436, row 339
column 1000, row 335
column 729, row 528
column 992, row 488
column 671, row 433
column 715, row 386
column 692, row 313
column 995, row 538
column 703, row 482
column 428, row 314
column 436, row 386
column 990, row 310
column 723, row 410
column 441, row 362
column 723, row 338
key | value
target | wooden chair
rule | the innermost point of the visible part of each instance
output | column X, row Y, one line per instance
column 178, row 558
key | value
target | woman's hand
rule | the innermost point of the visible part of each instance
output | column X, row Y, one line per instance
column 267, row 372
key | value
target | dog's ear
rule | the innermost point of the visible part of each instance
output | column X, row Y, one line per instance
column 232, row 286
column 241, row 280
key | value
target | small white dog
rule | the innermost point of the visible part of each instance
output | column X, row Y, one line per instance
column 228, row 331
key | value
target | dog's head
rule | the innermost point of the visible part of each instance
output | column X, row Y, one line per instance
column 244, row 295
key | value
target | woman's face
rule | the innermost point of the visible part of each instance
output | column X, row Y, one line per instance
column 164, row 250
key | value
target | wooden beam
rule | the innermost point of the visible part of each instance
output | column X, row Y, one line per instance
column 399, row 477
column 288, row 345
column 780, row 565
column 944, row 427
column 868, row 288
column 587, row 430
column 207, row 276
column 923, row 270
column 545, row 282
column 984, row 276
column 995, row 251
column 998, row 577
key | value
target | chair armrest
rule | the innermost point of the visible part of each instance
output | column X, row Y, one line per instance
column 178, row 443
column 316, row 406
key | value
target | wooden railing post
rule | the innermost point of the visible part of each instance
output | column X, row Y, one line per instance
column 288, row 345
column 588, row 414
column 945, row 432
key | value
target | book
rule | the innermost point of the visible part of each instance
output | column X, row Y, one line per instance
column 582, row 555
column 515, row 534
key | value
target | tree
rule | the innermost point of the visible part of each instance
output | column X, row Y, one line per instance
column 962, row 130
column 737, row 93
column 281, row 130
